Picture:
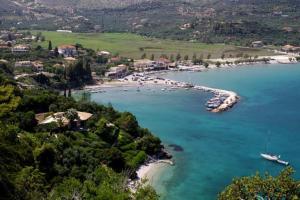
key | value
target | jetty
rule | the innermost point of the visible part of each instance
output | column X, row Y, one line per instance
column 222, row 100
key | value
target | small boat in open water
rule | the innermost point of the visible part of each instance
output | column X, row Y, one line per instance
column 274, row 158
column 270, row 157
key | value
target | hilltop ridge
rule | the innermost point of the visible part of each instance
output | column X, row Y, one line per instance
column 238, row 22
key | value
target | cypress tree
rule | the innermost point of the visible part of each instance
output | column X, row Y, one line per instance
column 50, row 45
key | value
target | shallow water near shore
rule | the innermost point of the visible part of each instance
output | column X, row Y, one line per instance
column 219, row 147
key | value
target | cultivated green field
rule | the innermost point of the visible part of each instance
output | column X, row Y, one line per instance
column 131, row 45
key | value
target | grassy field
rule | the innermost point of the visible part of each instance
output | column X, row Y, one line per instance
column 130, row 45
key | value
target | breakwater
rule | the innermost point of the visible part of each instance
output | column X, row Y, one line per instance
column 221, row 101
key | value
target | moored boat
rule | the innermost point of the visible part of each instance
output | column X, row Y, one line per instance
column 274, row 158
column 270, row 157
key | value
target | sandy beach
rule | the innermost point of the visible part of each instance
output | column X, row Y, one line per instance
column 275, row 59
column 152, row 171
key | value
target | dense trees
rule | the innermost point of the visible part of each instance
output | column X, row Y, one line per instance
column 9, row 99
column 79, row 72
column 53, row 162
column 267, row 187
column 27, row 121
column 128, row 122
column 30, row 183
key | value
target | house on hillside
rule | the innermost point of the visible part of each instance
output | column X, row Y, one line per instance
column 61, row 119
column 117, row 72
column 38, row 66
column 23, row 64
column 21, row 48
column 257, row 44
column 67, row 50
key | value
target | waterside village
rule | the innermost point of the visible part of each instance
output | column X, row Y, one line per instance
column 69, row 66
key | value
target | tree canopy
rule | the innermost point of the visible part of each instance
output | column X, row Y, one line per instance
column 283, row 186
column 54, row 162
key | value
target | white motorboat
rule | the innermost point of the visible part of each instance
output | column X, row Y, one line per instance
column 274, row 158
column 270, row 157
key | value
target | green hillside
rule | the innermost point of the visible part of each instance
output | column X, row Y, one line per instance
column 237, row 22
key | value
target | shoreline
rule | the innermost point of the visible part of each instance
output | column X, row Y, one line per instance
column 148, row 170
column 149, row 173
column 276, row 59
column 222, row 100
column 152, row 171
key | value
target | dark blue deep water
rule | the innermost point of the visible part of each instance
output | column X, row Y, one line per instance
column 219, row 147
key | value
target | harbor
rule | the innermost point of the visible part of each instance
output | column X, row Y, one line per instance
column 222, row 100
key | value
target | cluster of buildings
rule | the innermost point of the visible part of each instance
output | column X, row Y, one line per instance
column 143, row 65
column 290, row 49
column 67, row 51
column 287, row 48
column 16, row 49
column 8, row 40
column 34, row 65
column 20, row 49
column 151, row 65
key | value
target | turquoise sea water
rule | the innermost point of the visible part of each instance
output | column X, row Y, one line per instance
column 218, row 147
